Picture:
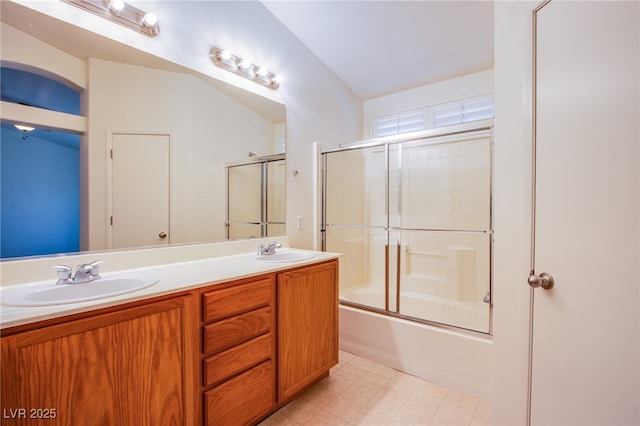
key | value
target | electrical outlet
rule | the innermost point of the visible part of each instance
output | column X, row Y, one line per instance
column 299, row 222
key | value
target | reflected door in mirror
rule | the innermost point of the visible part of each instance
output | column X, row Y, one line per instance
column 140, row 190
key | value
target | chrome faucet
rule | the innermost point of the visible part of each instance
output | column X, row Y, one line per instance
column 84, row 273
column 269, row 249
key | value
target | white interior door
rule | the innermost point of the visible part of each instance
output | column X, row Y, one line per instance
column 140, row 190
column 585, row 357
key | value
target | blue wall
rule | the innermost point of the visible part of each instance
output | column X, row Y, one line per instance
column 39, row 172
column 40, row 196
column 22, row 87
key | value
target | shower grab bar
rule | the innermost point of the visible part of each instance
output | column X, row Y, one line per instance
column 355, row 225
column 470, row 231
column 399, row 228
column 386, row 277
column 398, row 274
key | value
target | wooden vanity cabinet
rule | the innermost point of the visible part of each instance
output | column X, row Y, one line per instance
column 307, row 326
column 238, row 351
column 240, row 325
column 131, row 366
column 253, row 345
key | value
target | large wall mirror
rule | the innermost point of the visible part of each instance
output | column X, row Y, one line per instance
column 147, row 150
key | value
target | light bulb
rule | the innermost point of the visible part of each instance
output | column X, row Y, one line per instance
column 149, row 19
column 225, row 55
column 262, row 71
column 244, row 64
column 116, row 5
column 24, row 128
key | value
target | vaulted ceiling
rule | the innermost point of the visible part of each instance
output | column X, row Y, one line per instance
column 382, row 47
column 375, row 47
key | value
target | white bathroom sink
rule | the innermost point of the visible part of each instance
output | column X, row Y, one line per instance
column 287, row 255
column 50, row 293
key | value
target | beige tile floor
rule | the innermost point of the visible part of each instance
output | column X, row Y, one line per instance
column 361, row 392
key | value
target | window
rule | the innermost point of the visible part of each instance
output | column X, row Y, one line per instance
column 461, row 111
column 471, row 109
column 402, row 123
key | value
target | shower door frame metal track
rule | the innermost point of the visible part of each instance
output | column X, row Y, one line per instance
column 264, row 192
column 441, row 134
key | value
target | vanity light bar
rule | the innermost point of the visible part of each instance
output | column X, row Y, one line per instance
column 122, row 13
column 224, row 59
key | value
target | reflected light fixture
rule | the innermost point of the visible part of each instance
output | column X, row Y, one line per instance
column 25, row 130
column 241, row 66
column 122, row 13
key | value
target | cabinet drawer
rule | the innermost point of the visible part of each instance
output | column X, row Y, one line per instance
column 233, row 361
column 220, row 304
column 243, row 399
column 225, row 334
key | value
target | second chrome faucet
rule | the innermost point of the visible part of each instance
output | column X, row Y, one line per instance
column 84, row 273
column 269, row 249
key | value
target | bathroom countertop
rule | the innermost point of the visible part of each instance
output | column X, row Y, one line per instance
column 173, row 278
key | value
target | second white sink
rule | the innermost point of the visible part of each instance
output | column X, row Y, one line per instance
column 48, row 293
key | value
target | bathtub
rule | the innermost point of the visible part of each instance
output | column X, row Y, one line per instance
column 457, row 359
column 471, row 315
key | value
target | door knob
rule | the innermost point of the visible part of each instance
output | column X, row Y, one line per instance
column 543, row 280
column 162, row 235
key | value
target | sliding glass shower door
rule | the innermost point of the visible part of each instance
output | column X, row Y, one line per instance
column 275, row 198
column 413, row 220
column 255, row 199
column 355, row 221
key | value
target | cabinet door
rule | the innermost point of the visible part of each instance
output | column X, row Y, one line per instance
column 242, row 400
column 307, row 326
column 129, row 366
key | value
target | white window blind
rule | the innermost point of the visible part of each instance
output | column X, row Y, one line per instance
column 411, row 122
column 461, row 111
column 472, row 109
column 402, row 123
column 385, row 126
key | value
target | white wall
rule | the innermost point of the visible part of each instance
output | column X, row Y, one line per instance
column 512, row 214
column 20, row 50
